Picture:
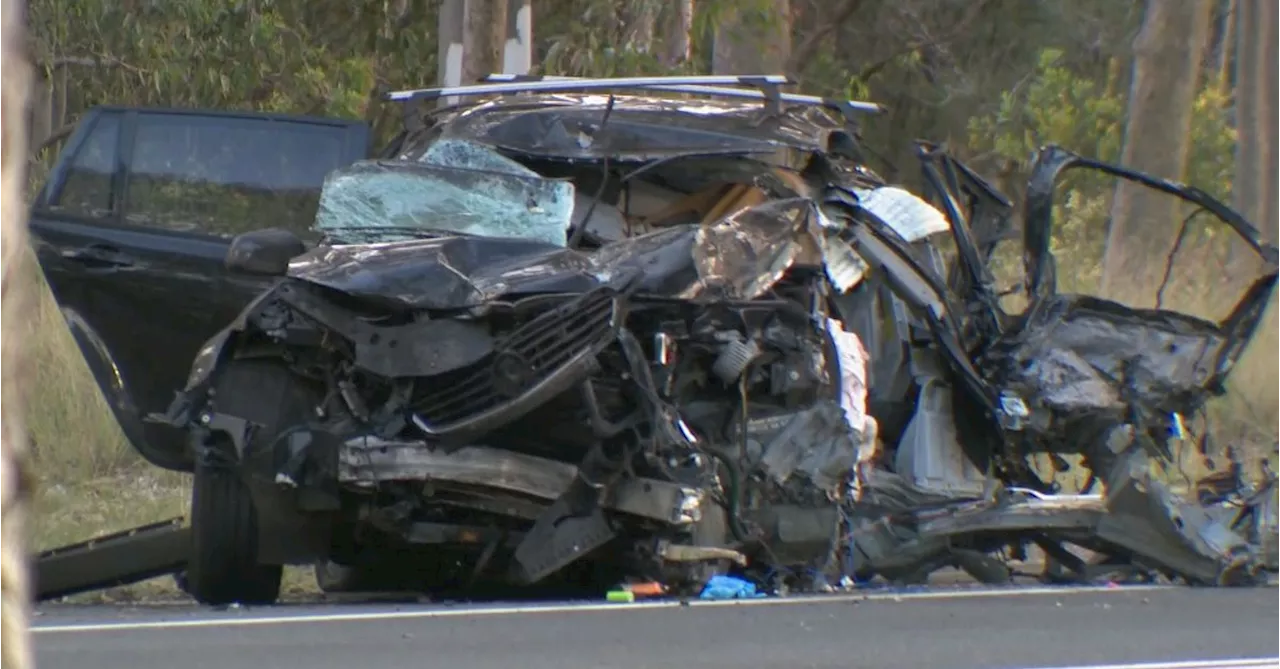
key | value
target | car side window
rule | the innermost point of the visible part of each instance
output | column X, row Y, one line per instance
column 86, row 185
column 227, row 175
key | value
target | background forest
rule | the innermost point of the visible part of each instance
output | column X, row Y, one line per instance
column 1184, row 89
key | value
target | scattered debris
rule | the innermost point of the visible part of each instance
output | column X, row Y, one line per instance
column 730, row 587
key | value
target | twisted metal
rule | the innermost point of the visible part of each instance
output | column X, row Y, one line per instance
column 15, row 293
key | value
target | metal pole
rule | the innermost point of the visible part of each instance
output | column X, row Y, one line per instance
column 517, row 51
column 15, row 646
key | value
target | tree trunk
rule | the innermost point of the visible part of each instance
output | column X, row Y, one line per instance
column 1246, row 185
column 483, row 39
column 1157, row 138
column 679, row 31
column 638, row 28
column 1265, row 117
column 753, row 38
column 1222, row 69
column 15, row 289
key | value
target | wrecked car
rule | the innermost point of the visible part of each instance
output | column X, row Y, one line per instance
column 573, row 336
column 497, row 286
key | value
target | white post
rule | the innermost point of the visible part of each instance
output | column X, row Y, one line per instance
column 517, row 51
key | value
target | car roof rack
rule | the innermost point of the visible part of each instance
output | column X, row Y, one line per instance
column 765, row 88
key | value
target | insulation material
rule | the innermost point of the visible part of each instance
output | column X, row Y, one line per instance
column 851, row 357
column 909, row 216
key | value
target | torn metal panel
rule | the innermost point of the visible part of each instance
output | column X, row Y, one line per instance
column 422, row 348
column 744, row 254
column 1146, row 518
column 1079, row 354
column 815, row 446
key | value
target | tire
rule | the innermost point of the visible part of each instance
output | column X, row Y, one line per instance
column 224, row 566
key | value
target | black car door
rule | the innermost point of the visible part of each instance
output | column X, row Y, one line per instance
column 134, row 222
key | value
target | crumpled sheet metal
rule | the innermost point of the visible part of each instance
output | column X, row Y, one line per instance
column 1162, row 529
column 743, row 255
column 813, row 448
column 746, row 253
column 1078, row 353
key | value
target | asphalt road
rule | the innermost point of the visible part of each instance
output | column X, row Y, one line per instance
column 947, row 629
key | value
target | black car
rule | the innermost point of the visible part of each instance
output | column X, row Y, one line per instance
column 558, row 334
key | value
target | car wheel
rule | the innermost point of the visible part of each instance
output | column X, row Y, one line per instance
column 224, row 566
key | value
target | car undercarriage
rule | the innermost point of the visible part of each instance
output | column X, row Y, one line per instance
column 599, row 338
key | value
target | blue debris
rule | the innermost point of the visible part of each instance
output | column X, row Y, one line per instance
column 729, row 587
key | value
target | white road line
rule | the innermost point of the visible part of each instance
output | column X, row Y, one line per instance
column 477, row 612
column 1257, row 663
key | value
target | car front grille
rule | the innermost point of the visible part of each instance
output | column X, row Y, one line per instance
column 523, row 360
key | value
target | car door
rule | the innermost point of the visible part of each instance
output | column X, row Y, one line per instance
column 132, row 227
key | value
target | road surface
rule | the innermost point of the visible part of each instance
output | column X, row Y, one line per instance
column 952, row 629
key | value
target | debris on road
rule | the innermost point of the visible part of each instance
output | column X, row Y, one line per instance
column 729, row 587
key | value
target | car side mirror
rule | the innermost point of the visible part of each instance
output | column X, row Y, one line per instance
column 265, row 252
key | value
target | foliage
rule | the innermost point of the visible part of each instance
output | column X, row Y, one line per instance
column 1061, row 106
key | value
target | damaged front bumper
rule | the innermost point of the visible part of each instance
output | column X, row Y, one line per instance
column 369, row 461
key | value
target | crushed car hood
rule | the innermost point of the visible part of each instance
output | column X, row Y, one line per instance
column 739, row 257
column 458, row 272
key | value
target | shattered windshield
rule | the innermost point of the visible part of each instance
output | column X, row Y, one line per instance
column 456, row 187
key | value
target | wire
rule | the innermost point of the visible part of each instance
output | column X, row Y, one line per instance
column 578, row 230
column 1177, row 245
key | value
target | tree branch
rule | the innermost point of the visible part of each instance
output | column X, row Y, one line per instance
column 805, row 52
